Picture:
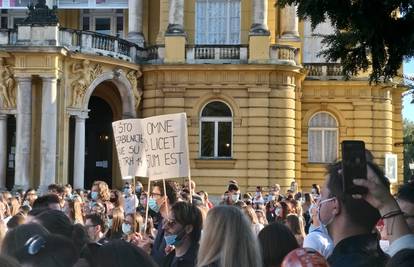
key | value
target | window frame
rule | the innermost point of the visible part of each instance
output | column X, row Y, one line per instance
column 216, row 121
column 323, row 130
column 112, row 14
column 228, row 20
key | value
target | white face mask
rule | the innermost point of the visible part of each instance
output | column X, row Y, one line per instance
column 126, row 228
column 325, row 224
column 235, row 197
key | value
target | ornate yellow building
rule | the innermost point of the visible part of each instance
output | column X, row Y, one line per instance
column 261, row 106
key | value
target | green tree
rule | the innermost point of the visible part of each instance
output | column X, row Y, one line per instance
column 368, row 33
column 408, row 147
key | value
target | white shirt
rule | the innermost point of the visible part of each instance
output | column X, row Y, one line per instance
column 131, row 204
column 404, row 242
column 319, row 240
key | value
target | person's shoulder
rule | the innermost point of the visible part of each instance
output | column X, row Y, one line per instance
column 357, row 259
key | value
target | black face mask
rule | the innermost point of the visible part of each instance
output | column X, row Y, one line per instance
column 112, row 199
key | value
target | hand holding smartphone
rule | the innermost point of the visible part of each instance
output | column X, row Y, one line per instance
column 354, row 166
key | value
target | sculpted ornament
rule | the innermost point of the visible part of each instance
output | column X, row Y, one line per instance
column 7, row 85
column 85, row 74
column 133, row 76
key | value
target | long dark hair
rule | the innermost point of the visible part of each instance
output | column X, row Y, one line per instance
column 276, row 241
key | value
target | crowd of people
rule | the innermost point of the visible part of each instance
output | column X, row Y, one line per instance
column 176, row 225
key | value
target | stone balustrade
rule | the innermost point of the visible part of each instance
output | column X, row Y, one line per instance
column 318, row 71
column 217, row 54
column 106, row 45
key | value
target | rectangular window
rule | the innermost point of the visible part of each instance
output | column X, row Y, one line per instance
column 20, row 3
column 322, row 146
column 101, row 4
column 103, row 25
column 4, row 23
column 314, row 146
column 120, row 26
column 207, row 139
column 218, row 22
column 86, row 23
column 224, row 139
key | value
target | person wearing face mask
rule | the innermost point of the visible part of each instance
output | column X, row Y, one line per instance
column 233, row 194
column 133, row 224
column 115, row 221
column 100, row 194
column 258, row 198
column 318, row 237
column 131, row 200
column 96, row 229
column 350, row 221
column 182, row 234
column 138, row 189
column 159, row 202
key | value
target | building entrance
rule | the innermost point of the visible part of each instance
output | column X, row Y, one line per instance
column 98, row 142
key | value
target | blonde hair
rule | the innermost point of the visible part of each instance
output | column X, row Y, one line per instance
column 228, row 240
column 103, row 190
column 251, row 214
column 76, row 213
column 138, row 221
column 15, row 206
column 117, row 219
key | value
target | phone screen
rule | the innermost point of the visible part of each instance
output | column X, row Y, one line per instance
column 354, row 166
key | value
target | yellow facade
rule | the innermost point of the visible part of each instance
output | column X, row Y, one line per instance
column 271, row 94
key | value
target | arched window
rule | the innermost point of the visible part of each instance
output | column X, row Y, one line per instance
column 217, row 22
column 216, row 131
column 323, row 138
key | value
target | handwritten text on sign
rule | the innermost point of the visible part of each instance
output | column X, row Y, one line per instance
column 154, row 147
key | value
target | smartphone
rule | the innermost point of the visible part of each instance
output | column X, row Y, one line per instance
column 354, row 166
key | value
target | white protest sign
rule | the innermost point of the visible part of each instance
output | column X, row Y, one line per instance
column 154, row 147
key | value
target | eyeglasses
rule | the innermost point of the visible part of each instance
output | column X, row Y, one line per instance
column 90, row 225
column 34, row 244
column 155, row 194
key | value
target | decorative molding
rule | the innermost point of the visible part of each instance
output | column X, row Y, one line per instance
column 255, row 90
column 133, row 77
column 173, row 91
column 84, row 76
column 7, row 85
column 215, row 163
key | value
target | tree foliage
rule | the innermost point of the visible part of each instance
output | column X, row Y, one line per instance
column 367, row 33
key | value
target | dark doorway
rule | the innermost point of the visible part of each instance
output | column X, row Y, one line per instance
column 11, row 151
column 98, row 158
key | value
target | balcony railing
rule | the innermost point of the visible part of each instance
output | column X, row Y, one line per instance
column 284, row 54
column 106, row 45
column 100, row 44
column 318, row 71
column 217, row 54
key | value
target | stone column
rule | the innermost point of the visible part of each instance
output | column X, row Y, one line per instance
column 48, row 132
column 23, row 132
column 259, row 18
column 3, row 150
column 176, row 17
column 79, row 157
column 135, row 13
column 289, row 23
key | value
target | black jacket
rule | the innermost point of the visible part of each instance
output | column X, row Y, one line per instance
column 189, row 259
column 358, row 251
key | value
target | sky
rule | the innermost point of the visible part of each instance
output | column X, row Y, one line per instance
column 408, row 108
